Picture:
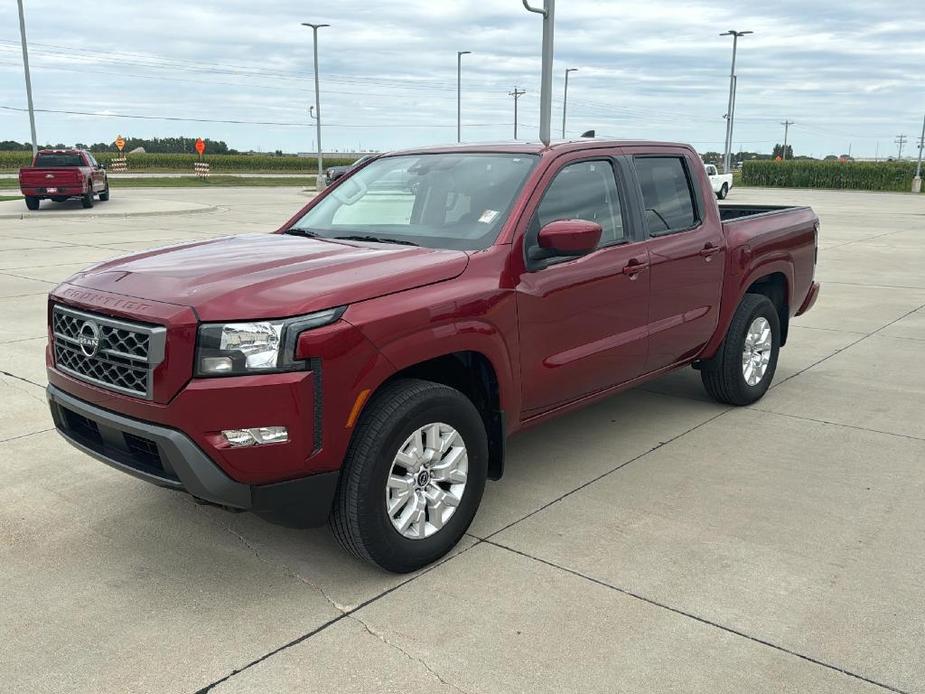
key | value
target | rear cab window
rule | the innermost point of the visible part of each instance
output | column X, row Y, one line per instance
column 50, row 161
column 667, row 193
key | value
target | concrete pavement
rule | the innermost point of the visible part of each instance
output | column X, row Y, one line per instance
column 653, row 542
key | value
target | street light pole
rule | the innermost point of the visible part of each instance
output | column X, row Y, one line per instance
column 25, row 65
column 459, row 55
column 549, row 23
column 732, row 85
column 315, row 28
column 565, row 97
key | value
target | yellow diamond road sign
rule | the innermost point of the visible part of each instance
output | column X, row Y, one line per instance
column 120, row 142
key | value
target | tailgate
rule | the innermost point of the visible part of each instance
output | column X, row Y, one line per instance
column 50, row 177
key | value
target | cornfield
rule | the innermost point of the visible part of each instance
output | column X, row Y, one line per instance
column 219, row 163
column 883, row 176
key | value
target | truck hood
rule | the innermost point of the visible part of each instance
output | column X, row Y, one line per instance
column 270, row 275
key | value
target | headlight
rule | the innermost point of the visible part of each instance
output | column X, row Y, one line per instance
column 255, row 347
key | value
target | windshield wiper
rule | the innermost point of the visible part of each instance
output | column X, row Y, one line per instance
column 375, row 239
column 295, row 231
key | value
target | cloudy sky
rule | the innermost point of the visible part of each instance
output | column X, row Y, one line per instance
column 848, row 73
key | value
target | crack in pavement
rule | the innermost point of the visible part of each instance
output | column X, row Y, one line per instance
column 415, row 659
column 288, row 570
column 697, row 618
column 344, row 612
column 24, row 380
column 836, row 424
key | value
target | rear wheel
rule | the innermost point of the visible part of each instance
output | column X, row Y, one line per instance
column 32, row 202
column 723, row 192
column 744, row 367
column 413, row 476
column 104, row 195
column 87, row 198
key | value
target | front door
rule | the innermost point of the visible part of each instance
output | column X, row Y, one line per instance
column 583, row 321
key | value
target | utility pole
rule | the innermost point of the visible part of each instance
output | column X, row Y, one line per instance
column 516, row 94
column 900, row 140
column 459, row 55
column 727, row 155
column 917, row 181
column 786, row 124
column 25, row 66
column 565, row 97
column 549, row 22
column 315, row 28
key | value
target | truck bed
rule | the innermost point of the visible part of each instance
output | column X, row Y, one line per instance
column 728, row 213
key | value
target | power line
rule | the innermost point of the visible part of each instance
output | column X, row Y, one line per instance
column 248, row 122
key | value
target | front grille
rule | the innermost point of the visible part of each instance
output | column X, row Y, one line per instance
column 108, row 352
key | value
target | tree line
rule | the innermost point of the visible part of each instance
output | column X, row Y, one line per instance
column 155, row 145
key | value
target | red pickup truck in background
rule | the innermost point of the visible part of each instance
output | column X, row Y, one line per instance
column 366, row 362
column 59, row 174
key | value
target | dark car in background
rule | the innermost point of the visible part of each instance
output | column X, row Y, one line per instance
column 332, row 173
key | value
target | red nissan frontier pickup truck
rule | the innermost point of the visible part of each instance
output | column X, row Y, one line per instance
column 366, row 362
column 59, row 174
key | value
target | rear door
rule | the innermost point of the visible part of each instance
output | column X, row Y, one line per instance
column 583, row 320
column 97, row 175
column 686, row 254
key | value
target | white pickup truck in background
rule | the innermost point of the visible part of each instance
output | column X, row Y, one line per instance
column 722, row 183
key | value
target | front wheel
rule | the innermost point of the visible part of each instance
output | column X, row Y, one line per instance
column 723, row 192
column 413, row 476
column 744, row 367
column 32, row 202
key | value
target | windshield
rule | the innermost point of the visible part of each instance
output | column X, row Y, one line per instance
column 46, row 161
column 456, row 201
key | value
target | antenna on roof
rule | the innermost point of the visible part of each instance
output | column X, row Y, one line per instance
column 588, row 133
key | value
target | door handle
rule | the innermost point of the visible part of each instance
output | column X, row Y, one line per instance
column 633, row 268
column 709, row 250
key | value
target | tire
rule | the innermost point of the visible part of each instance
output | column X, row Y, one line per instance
column 725, row 379
column 104, row 195
column 87, row 198
column 360, row 518
column 723, row 192
column 32, row 202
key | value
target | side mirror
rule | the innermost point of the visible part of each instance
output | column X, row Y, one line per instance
column 570, row 237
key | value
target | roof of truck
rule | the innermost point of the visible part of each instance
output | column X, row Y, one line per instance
column 538, row 147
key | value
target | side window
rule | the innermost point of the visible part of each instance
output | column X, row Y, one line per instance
column 666, row 193
column 585, row 190
column 92, row 160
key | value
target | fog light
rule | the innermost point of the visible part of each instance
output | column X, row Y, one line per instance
column 258, row 435
column 216, row 365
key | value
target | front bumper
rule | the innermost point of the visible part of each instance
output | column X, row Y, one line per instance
column 168, row 458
